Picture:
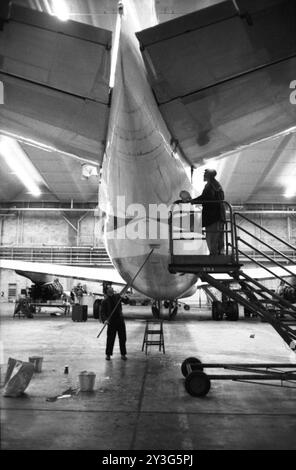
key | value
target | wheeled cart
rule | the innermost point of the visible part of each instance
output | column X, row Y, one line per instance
column 198, row 383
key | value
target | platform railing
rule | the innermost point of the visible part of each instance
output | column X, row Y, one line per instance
column 193, row 229
column 280, row 258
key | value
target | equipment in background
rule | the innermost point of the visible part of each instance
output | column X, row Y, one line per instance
column 79, row 313
column 79, row 290
column 45, row 292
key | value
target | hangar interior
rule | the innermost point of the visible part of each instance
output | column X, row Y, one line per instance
column 245, row 130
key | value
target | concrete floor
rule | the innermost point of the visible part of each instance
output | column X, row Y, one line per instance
column 142, row 403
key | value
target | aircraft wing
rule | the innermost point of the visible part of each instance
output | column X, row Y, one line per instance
column 222, row 75
column 76, row 272
column 52, row 95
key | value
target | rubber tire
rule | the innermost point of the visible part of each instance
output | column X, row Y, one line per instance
column 186, row 307
column 155, row 312
column 247, row 312
column 97, row 308
column 232, row 311
column 197, row 384
column 32, row 309
column 173, row 313
column 217, row 310
column 190, row 360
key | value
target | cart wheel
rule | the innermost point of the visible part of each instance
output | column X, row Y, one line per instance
column 186, row 307
column 197, row 384
column 217, row 310
column 190, row 360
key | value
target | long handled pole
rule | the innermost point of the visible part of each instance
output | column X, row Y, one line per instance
column 126, row 287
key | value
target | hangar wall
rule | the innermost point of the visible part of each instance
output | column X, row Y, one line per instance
column 46, row 229
column 52, row 228
column 282, row 225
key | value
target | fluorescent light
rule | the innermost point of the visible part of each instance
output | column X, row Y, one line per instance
column 47, row 148
column 114, row 52
column 288, row 183
column 290, row 191
column 60, row 10
column 20, row 164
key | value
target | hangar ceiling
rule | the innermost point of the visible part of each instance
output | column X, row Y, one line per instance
column 260, row 173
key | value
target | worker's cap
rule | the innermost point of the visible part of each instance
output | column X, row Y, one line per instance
column 184, row 194
column 211, row 172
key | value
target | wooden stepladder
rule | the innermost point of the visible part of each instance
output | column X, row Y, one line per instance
column 153, row 335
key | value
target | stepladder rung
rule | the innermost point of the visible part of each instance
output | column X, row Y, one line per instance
column 156, row 343
column 149, row 331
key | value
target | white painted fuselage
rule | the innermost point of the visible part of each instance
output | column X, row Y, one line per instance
column 139, row 168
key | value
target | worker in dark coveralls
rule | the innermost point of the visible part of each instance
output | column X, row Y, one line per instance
column 115, row 323
column 213, row 215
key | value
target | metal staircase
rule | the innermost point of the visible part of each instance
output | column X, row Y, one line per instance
column 223, row 271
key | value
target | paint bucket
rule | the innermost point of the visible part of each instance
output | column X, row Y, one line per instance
column 87, row 381
column 37, row 361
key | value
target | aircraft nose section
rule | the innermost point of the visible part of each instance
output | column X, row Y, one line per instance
column 154, row 279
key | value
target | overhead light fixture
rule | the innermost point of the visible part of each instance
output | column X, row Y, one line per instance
column 290, row 191
column 46, row 148
column 287, row 181
column 115, row 48
column 88, row 170
column 60, row 10
column 20, row 164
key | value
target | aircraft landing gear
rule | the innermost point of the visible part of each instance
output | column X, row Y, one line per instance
column 156, row 309
column 217, row 310
column 171, row 305
column 173, row 310
column 229, row 308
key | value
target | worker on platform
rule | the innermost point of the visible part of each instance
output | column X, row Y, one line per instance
column 213, row 214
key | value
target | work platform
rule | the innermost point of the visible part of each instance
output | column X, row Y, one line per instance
column 203, row 264
column 189, row 254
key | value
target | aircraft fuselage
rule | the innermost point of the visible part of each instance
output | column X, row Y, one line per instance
column 140, row 172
